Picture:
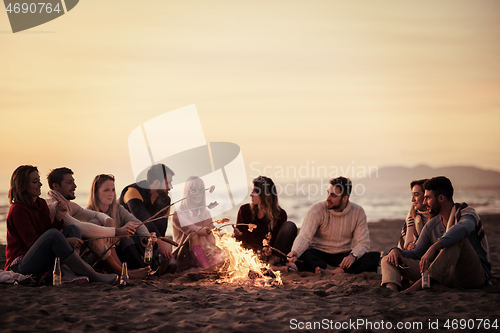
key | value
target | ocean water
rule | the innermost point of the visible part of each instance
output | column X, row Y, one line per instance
column 378, row 206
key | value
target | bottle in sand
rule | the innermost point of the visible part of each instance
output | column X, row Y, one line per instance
column 426, row 280
column 379, row 268
column 124, row 275
column 148, row 254
column 56, row 274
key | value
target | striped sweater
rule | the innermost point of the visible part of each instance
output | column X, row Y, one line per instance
column 334, row 232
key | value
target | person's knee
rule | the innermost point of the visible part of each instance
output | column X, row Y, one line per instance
column 54, row 234
column 384, row 262
column 124, row 243
column 289, row 227
column 73, row 231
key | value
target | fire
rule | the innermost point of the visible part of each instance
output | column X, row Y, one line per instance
column 243, row 265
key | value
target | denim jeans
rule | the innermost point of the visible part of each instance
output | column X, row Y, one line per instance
column 313, row 258
column 41, row 256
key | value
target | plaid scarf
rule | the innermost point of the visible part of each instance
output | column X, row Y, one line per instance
column 418, row 223
column 461, row 209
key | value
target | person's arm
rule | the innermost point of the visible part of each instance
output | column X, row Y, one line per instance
column 86, row 215
column 239, row 231
column 309, row 227
column 135, row 204
column 463, row 228
column 88, row 229
column 283, row 218
column 361, row 236
column 22, row 222
column 124, row 216
column 424, row 242
column 410, row 233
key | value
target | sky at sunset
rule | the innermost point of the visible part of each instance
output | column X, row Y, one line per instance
column 293, row 83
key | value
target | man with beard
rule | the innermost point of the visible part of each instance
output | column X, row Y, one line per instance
column 334, row 235
column 452, row 247
column 146, row 198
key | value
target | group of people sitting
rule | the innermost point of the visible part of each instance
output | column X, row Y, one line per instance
column 440, row 237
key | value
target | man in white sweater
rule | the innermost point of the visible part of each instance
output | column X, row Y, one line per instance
column 62, row 189
column 334, row 235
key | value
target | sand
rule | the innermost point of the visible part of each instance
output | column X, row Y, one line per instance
column 178, row 303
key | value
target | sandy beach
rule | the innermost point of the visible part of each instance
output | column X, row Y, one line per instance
column 186, row 302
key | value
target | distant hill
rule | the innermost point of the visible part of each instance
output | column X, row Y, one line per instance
column 462, row 177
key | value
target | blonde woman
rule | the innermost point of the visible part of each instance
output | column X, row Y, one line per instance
column 271, row 221
column 193, row 218
column 103, row 199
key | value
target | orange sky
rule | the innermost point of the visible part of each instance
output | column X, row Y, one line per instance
column 291, row 82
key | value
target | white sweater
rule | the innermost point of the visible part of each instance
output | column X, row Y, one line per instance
column 334, row 232
column 77, row 214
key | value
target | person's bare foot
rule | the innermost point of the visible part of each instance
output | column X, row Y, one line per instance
column 140, row 273
column 392, row 286
column 291, row 267
column 417, row 286
column 337, row 270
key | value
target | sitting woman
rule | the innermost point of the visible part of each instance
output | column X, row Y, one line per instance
column 34, row 240
column 103, row 199
column 271, row 221
column 417, row 217
column 193, row 219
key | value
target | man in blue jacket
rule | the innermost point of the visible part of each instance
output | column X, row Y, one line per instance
column 452, row 247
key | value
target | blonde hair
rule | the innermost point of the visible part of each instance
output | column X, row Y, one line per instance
column 94, row 198
column 19, row 185
column 193, row 182
column 266, row 190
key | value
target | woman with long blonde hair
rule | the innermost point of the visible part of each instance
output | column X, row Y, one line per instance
column 193, row 218
column 271, row 220
column 103, row 199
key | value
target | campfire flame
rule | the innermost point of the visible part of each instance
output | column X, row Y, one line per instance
column 244, row 265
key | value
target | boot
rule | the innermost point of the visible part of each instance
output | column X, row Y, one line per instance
column 69, row 277
column 199, row 255
column 80, row 267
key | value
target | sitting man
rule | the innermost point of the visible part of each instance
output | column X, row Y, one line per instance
column 452, row 246
column 62, row 189
column 148, row 197
column 334, row 236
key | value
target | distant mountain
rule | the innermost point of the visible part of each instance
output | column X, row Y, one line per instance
column 462, row 177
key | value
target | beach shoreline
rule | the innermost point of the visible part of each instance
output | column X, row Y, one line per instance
column 181, row 303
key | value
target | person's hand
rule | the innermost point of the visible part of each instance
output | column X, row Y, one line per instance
column 410, row 246
column 347, row 261
column 394, row 257
column 109, row 222
column 292, row 256
column 429, row 256
column 74, row 242
column 266, row 250
column 127, row 230
column 61, row 210
column 237, row 231
column 164, row 250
